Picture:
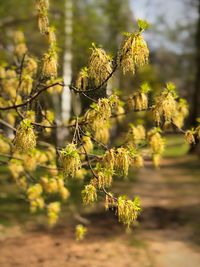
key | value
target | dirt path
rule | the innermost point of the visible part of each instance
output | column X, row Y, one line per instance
column 167, row 236
column 171, row 198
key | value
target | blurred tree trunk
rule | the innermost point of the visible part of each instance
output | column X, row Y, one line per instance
column 196, row 96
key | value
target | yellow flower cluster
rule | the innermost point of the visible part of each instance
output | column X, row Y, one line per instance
column 108, row 160
column 157, row 144
column 50, row 59
column 134, row 53
column 43, row 21
column 98, row 119
column 34, row 193
column 165, row 105
column 87, row 144
column 140, row 101
column 82, row 79
column 4, row 145
column 26, row 85
column 55, row 185
column 89, row 194
column 80, row 232
column 53, row 210
column 100, row 65
column 136, row 158
column 51, row 37
column 51, row 154
column 104, row 177
column 136, row 135
column 109, row 201
column 19, row 37
column 103, row 134
column 128, row 210
column 42, row 4
column 117, row 160
column 20, row 48
column 29, row 162
column 49, row 68
column 81, row 173
column 70, row 160
column 138, row 161
column 122, row 161
column 9, row 84
column 181, row 113
column 189, row 136
column 31, row 66
column 21, row 85
column 156, row 141
column 16, row 168
column 103, row 108
column 25, row 139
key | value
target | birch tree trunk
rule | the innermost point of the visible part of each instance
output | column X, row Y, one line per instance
column 67, row 71
column 67, row 65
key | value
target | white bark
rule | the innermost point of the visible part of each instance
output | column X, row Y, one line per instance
column 67, row 65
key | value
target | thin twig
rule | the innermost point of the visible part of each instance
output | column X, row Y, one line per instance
column 96, row 141
column 8, row 125
column 91, row 169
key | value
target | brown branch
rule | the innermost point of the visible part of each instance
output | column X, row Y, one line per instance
column 76, row 90
column 30, row 100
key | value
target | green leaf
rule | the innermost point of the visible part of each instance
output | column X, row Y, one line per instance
column 127, row 34
column 143, row 24
column 171, row 86
column 145, row 88
column 136, row 203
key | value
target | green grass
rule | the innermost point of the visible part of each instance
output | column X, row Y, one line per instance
column 176, row 146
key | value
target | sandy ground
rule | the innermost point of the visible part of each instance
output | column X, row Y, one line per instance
column 168, row 234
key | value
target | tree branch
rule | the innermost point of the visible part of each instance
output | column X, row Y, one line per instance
column 30, row 100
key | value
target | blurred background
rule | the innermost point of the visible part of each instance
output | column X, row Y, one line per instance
column 168, row 231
